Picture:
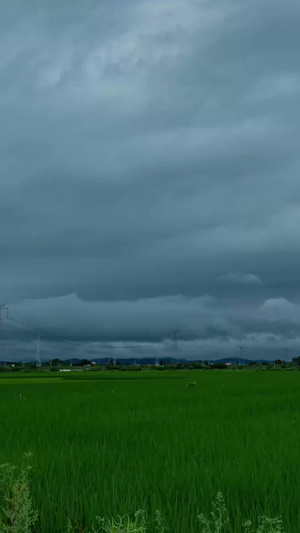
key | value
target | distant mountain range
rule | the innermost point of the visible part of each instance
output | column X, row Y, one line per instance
column 236, row 361
column 131, row 360
column 153, row 360
column 168, row 360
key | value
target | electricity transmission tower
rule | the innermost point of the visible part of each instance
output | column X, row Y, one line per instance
column 175, row 338
column 3, row 308
column 38, row 353
column 286, row 354
column 241, row 354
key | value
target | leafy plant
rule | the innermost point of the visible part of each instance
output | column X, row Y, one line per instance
column 265, row 525
column 16, row 509
column 219, row 520
column 160, row 522
column 122, row 524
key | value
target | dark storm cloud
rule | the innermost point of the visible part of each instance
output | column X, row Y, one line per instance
column 149, row 172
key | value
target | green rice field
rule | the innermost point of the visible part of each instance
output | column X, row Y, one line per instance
column 112, row 443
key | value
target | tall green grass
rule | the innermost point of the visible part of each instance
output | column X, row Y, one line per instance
column 110, row 446
column 18, row 516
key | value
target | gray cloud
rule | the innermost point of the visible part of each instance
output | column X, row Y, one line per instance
column 150, row 151
column 242, row 278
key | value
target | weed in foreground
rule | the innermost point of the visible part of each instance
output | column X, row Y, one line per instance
column 219, row 522
column 16, row 510
column 18, row 516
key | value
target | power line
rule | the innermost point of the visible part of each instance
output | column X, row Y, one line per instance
column 44, row 333
column 32, row 331
column 17, row 329
column 21, row 326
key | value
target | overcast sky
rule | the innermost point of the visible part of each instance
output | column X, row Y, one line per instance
column 150, row 176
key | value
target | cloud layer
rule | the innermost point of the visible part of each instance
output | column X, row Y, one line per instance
column 149, row 174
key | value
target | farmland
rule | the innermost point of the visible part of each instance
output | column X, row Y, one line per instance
column 113, row 443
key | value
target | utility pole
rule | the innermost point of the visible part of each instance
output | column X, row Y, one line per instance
column 3, row 308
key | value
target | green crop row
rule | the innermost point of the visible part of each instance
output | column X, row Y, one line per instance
column 17, row 514
column 110, row 446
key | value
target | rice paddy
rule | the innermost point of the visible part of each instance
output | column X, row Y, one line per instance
column 113, row 443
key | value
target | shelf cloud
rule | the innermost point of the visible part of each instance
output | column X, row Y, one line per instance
column 150, row 175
